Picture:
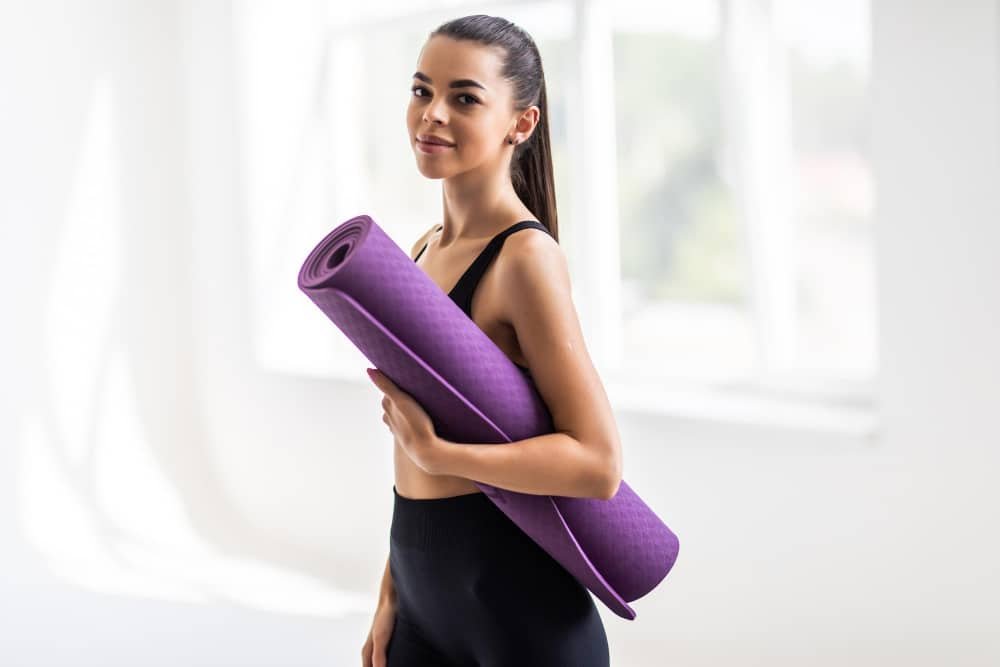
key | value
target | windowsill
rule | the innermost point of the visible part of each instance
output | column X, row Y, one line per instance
column 848, row 422
column 854, row 423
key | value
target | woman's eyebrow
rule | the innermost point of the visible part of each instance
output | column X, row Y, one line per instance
column 457, row 83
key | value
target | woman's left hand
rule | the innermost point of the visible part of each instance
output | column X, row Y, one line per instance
column 409, row 422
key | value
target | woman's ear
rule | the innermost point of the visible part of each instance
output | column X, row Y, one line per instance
column 529, row 121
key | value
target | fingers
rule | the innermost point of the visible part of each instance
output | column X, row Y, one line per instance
column 378, row 654
column 380, row 381
column 386, row 404
column 366, row 653
column 373, row 653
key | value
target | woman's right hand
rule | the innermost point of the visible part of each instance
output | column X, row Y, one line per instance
column 373, row 652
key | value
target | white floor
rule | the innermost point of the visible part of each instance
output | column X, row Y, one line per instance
column 45, row 622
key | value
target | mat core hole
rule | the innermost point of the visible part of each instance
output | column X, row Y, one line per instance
column 337, row 256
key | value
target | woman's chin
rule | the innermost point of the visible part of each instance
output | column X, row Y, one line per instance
column 430, row 170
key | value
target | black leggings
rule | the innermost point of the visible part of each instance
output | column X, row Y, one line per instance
column 474, row 591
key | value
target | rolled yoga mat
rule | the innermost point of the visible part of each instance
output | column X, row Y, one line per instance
column 418, row 336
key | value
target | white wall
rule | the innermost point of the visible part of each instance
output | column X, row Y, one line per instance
column 794, row 549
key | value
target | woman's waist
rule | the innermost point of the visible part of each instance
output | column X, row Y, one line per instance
column 445, row 522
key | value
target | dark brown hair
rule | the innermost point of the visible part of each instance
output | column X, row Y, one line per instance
column 531, row 165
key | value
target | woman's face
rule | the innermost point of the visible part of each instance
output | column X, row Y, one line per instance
column 474, row 120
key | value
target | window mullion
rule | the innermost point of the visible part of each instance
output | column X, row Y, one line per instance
column 593, row 224
column 759, row 168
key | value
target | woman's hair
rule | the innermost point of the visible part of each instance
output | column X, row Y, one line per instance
column 531, row 166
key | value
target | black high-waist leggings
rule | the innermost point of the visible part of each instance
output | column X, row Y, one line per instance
column 474, row 591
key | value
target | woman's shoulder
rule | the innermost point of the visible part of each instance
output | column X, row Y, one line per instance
column 422, row 240
column 531, row 244
column 531, row 260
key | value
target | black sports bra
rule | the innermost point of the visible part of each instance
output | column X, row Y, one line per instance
column 462, row 292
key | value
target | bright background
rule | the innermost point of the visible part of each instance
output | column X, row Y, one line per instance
column 782, row 249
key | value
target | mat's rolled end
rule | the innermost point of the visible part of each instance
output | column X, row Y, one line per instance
column 333, row 252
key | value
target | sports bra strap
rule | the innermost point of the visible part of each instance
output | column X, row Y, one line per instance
column 466, row 285
column 462, row 292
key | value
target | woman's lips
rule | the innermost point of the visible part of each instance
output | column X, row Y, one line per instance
column 426, row 147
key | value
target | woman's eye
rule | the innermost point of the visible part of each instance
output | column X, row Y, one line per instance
column 421, row 88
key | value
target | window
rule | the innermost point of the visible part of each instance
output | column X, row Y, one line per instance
column 745, row 194
column 711, row 165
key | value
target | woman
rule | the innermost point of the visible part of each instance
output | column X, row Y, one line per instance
column 463, row 585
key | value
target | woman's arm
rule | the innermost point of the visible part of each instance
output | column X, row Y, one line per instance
column 553, row 464
column 583, row 457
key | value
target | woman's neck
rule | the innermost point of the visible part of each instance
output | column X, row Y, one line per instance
column 474, row 212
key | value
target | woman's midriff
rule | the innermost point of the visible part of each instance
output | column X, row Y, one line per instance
column 412, row 482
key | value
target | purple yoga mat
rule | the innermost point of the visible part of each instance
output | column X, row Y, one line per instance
column 414, row 333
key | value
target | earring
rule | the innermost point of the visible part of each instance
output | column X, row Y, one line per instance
column 509, row 140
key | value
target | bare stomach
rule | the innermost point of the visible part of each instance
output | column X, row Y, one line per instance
column 412, row 482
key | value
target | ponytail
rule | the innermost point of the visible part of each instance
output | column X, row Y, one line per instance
column 531, row 165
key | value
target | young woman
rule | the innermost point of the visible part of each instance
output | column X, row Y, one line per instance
column 463, row 585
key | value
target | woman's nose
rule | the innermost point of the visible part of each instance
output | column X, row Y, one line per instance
column 434, row 113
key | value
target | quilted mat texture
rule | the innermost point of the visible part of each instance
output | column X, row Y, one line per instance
column 412, row 331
